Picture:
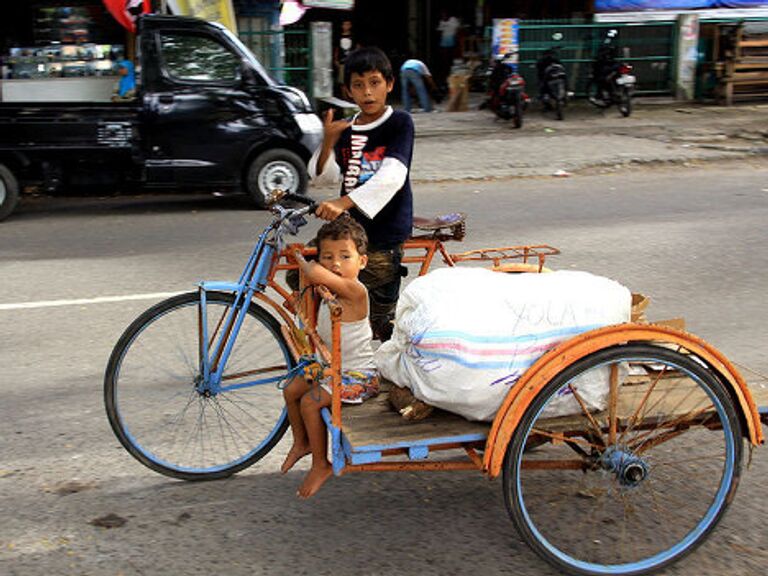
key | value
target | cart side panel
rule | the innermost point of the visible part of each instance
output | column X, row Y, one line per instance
column 558, row 359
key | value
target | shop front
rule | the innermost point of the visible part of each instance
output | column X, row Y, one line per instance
column 60, row 51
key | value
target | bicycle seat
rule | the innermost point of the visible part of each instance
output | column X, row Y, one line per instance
column 439, row 222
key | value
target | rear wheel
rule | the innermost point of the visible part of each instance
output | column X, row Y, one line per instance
column 558, row 109
column 518, row 120
column 625, row 102
column 9, row 192
column 275, row 169
column 624, row 462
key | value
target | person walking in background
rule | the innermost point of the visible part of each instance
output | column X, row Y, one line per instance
column 448, row 28
column 415, row 73
column 344, row 46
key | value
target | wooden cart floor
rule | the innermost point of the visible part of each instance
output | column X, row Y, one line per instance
column 374, row 427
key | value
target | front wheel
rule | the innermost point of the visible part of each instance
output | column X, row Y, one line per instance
column 275, row 169
column 167, row 420
column 624, row 462
column 9, row 192
column 625, row 102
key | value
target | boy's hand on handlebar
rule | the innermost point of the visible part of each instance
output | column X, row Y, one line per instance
column 332, row 209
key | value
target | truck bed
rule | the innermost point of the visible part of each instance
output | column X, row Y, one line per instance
column 55, row 126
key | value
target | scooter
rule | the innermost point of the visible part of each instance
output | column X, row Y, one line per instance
column 553, row 82
column 506, row 94
column 612, row 81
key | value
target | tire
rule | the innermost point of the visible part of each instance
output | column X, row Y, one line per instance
column 518, row 118
column 625, row 102
column 156, row 410
column 641, row 500
column 276, row 168
column 558, row 109
column 9, row 192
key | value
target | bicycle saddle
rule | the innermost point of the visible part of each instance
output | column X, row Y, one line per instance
column 438, row 222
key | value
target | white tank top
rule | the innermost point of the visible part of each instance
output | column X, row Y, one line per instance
column 356, row 337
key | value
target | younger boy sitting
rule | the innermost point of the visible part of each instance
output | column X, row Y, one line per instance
column 342, row 255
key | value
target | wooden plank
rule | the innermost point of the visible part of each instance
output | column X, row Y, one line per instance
column 374, row 425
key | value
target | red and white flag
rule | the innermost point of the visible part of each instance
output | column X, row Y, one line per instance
column 127, row 11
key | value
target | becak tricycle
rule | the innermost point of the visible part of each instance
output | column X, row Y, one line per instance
column 192, row 390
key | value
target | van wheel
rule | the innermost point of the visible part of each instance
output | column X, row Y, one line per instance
column 277, row 168
column 9, row 192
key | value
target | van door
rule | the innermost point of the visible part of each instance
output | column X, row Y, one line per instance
column 200, row 121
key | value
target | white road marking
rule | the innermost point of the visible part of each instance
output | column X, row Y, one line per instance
column 84, row 301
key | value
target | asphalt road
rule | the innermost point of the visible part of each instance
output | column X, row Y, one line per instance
column 693, row 239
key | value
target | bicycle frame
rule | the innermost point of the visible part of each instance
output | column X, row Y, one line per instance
column 216, row 348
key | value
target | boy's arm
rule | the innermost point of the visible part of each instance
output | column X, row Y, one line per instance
column 314, row 273
column 372, row 196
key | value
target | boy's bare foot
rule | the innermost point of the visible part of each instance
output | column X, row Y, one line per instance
column 314, row 480
column 295, row 454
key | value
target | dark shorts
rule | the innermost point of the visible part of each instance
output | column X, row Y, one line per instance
column 382, row 276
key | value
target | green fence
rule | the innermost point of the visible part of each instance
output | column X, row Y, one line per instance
column 648, row 47
column 295, row 46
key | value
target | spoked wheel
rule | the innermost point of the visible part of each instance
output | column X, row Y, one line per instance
column 624, row 462
column 167, row 420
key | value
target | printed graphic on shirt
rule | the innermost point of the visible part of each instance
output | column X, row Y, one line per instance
column 357, row 143
column 371, row 163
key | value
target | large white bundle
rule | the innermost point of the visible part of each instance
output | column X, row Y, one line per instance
column 464, row 336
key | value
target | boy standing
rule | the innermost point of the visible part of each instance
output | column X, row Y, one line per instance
column 341, row 256
column 371, row 157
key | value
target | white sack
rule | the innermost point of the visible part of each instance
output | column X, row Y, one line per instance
column 464, row 336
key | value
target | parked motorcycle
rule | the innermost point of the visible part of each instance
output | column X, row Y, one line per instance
column 553, row 82
column 506, row 93
column 612, row 81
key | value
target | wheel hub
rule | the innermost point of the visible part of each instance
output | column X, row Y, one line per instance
column 278, row 175
column 630, row 470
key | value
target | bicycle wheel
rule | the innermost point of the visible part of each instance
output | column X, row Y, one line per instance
column 157, row 411
column 625, row 490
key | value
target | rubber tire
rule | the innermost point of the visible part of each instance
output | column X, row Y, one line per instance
column 518, row 120
column 625, row 102
column 114, row 363
column 10, row 185
column 262, row 162
column 558, row 109
column 517, row 446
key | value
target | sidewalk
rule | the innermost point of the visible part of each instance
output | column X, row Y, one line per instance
column 474, row 145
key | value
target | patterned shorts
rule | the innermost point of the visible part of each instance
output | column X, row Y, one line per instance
column 356, row 385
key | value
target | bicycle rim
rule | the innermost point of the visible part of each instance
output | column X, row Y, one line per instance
column 646, row 485
column 157, row 411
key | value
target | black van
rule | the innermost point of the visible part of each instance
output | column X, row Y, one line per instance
column 206, row 115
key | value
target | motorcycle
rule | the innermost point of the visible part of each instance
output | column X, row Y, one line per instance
column 612, row 80
column 553, row 82
column 507, row 97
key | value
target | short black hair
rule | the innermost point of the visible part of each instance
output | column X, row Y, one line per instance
column 342, row 228
column 367, row 59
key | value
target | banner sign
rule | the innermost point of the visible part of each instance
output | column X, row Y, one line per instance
column 220, row 11
column 127, row 11
column 506, row 40
column 637, row 5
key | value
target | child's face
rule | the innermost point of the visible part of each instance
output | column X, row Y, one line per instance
column 369, row 91
column 341, row 257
